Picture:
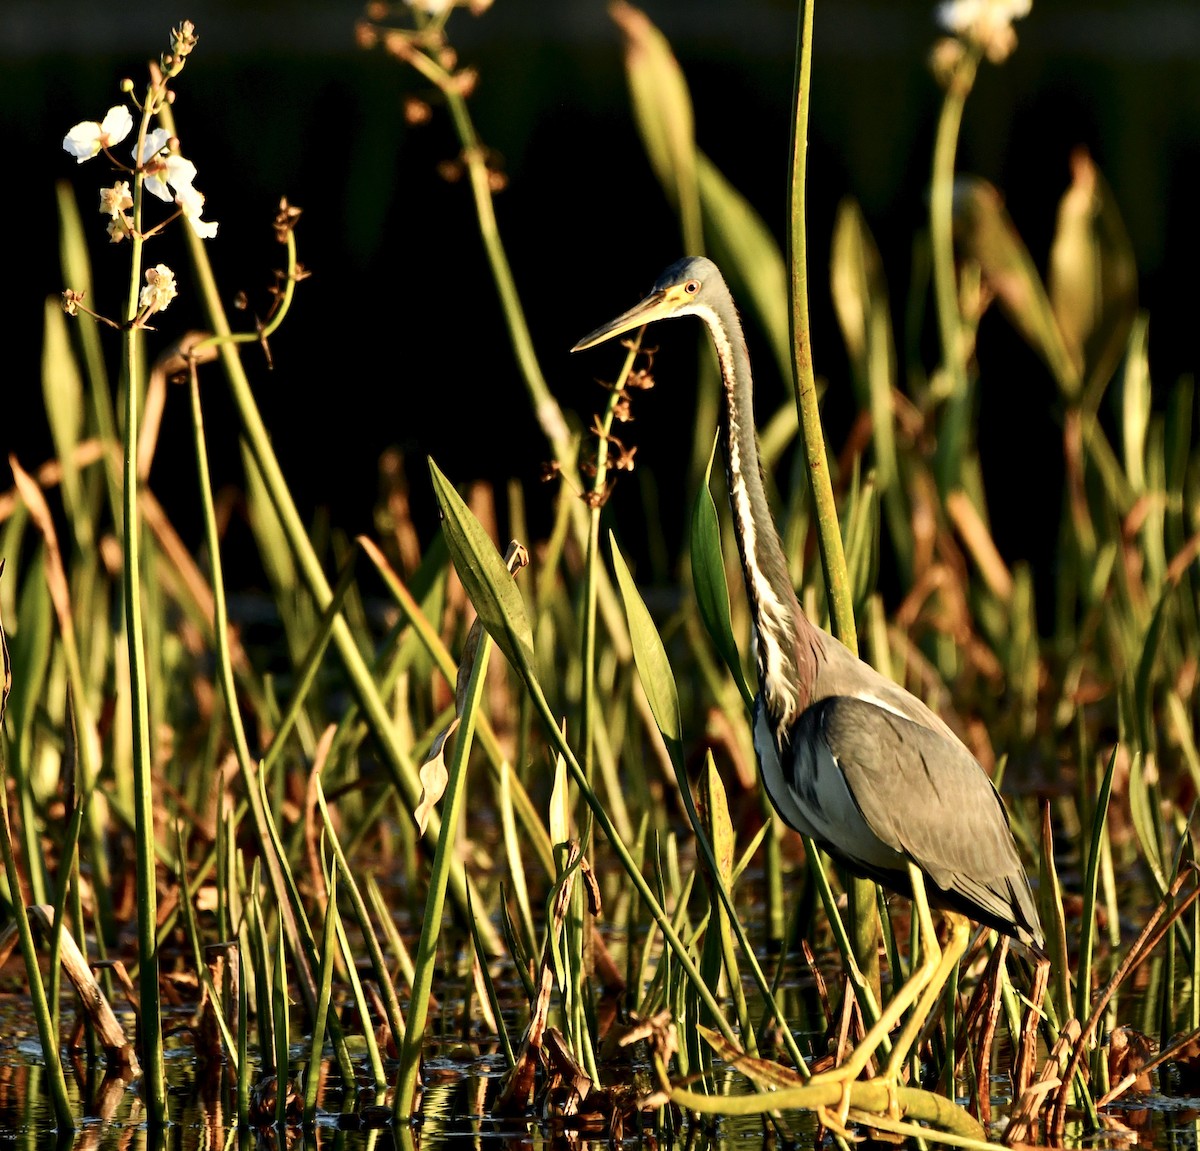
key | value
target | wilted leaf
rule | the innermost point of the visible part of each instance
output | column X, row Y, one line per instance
column 764, row 1072
column 434, row 776
column 39, row 512
column 985, row 233
column 1129, row 1051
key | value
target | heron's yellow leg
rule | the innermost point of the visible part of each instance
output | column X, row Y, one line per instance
column 956, row 945
column 921, row 978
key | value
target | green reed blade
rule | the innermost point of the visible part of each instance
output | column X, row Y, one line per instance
column 37, row 989
column 370, row 939
column 1099, row 833
column 431, row 926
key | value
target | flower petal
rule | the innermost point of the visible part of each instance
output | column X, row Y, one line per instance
column 180, row 172
column 154, row 143
column 83, row 141
column 155, row 186
column 117, row 124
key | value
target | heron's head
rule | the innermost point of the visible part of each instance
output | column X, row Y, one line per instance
column 683, row 289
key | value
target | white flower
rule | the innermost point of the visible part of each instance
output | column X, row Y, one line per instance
column 114, row 200
column 986, row 22
column 87, row 137
column 159, row 290
column 192, row 203
column 170, row 177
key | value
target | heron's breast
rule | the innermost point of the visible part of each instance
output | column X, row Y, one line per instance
column 807, row 788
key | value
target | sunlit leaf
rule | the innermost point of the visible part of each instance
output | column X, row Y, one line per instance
column 749, row 256
column 1135, row 406
column 485, row 577
column 560, row 804
column 1092, row 277
column 650, row 656
column 434, row 776
column 663, row 109
column 716, row 819
column 62, row 389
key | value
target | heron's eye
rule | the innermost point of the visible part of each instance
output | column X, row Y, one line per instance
column 692, row 287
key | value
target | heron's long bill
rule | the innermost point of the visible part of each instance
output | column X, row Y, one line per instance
column 656, row 306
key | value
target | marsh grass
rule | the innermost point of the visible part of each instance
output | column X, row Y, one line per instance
column 606, row 864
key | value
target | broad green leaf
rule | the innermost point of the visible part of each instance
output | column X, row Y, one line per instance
column 485, row 577
column 708, row 582
column 62, row 389
column 662, row 107
column 650, row 656
column 1092, row 277
column 716, row 819
column 749, row 256
column 984, row 233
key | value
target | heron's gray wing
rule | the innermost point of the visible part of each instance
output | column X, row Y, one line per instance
column 924, row 795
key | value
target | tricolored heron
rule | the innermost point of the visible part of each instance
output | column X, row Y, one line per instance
column 848, row 757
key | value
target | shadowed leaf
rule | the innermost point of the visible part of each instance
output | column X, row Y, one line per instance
column 861, row 300
column 985, row 233
column 650, row 656
column 711, row 588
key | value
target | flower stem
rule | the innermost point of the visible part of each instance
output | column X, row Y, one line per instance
column 153, row 1069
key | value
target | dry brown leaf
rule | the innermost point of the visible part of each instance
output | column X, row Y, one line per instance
column 433, row 776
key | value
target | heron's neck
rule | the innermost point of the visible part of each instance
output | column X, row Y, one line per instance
column 786, row 651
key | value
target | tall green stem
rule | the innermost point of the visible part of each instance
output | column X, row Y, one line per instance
column 593, row 569
column 403, row 771
column 861, row 892
column 435, row 902
column 953, row 433
column 153, row 1069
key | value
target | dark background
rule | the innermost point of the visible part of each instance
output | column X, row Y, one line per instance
column 398, row 338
